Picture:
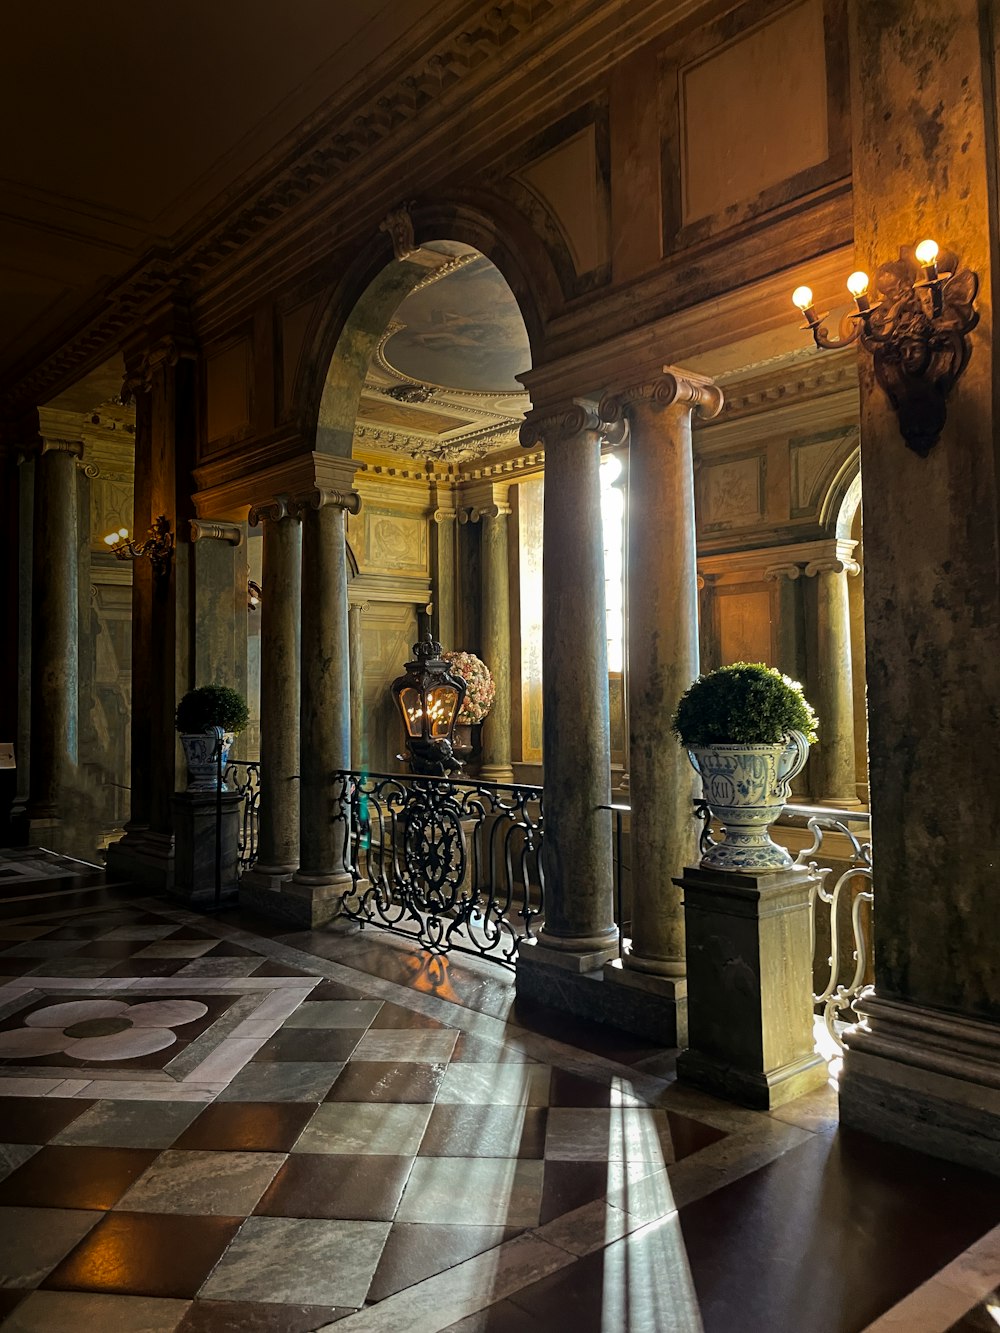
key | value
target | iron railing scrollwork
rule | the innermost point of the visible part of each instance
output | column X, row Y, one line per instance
column 454, row 865
column 243, row 776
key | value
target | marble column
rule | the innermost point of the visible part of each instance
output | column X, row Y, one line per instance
column 790, row 645
column 359, row 737
column 325, row 707
column 280, row 667
column 495, row 635
column 580, row 931
column 834, row 776
column 219, row 556
column 55, row 640
column 445, row 581
column 663, row 655
column 922, row 1069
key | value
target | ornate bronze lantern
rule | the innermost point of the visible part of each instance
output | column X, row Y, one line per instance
column 428, row 697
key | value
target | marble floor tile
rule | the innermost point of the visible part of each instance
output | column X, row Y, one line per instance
column 269, row 1015
column 247, row 1127
column 415, row 1251
column 145, row 1254
column 175, row 948
column 298, row 1044
column 33, row 1240
column 485, row 1131
column 152, row 932
column 63, row 1177
column 295, row 1259
column 379, row 1128
column 496, row 1085
column 209, row 1184
column 361, row 1189
column 409, row 1044
column 282, row 1081
column 398, row 1016
column 129, row 1124
column 220, row 967
column 47, row 1311
column 373, row 1081
column 148, row 1091
column 258, row 1317
column 35, row 1119
column 334, row 1014
column 474, row 1191
column 226, row 1061
column 618, row 1134
column 13, row 1154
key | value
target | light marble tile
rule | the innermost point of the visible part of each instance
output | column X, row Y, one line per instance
column 226, row 1061
column 589, row 1228
column 282, row 1081
column 387, row 1128
column 90, row 984
column 27, row 1087
column 175, row 949
column 12, row 1155
column 269, row 1015
column 140, row 932
column 47, row 1311
column 409, row 1044
column 616, row 1134
column 473, row 1191
column 977, row 1270
column 335, row 1014
column 298, row 1260
column 441, row 1300
column 495, row 1085
column 70, row 1087
column 110, row 1090
column 33, row 1240
column 130, row 1124
column 220, row 967
column 226, row 1184
column 932, row 1308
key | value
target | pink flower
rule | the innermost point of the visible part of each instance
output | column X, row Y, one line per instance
column 480, row 687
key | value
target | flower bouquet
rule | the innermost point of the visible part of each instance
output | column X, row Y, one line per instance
column 480, row 689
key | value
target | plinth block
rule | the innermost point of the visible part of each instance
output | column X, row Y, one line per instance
column 200, row 818
column 749, row 975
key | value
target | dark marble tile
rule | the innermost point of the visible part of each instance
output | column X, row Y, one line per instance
column 257, row 1317
column 72, row 1177
column 471, row 1049
column 631, row 1286
column 272, row 969
column 415, row 1251
column 358, row 1189
column 572, row 1090
column 690, row 1136
column 378, row 1081
column 485, row 1131
column 395, row 1016
column 115, row 950
column 608, row 1042
column 898, row 1217
column 569, row 1185
column 37, row 1119
column 148, row 967
column 504, row 1317
column 146, row 1254
column 333, row 990
column 315, row 1044
column 247, row 1127
column 10, row 1298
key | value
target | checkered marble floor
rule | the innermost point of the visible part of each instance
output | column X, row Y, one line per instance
column 203, row 1127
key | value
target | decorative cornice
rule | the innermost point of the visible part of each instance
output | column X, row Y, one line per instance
column 164, row 352
column 226, row 532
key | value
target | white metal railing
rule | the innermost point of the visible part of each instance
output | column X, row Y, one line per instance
column 848, row 903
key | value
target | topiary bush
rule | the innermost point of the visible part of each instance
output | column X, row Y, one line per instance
column 747, row 703
column 211, row 706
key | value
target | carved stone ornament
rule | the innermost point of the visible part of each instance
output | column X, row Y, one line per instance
column 410, row 393
column 273, row 511
column 551, row 425
column 399, row 226
column 916, row 337
column 672, row 388
column 202, row 528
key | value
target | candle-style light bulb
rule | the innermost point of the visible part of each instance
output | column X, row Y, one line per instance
column 111, row 539
column 927, row 253
column 802, row 297
column 857, row 285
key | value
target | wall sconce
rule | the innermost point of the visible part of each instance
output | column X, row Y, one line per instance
column 157, row 548
column 255, row 595
column 428, row 697
column 915, row 334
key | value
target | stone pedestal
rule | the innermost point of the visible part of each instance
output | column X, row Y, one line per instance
column 204, row 820
column 749, row 975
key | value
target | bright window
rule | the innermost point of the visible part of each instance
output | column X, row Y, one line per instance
column 613, row 518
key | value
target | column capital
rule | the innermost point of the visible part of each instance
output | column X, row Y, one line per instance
column 445, row 515
column 273, row 511
column 226, row 532
column 362, row 608
column 832, row 564
column 50, row 445
column 673, row 387
column 142, row 363
column 483, row 499
column 474, row 513
column 549, row 425
column 790, row 570
column 323, row 497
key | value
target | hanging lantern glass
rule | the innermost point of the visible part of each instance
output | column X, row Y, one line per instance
column 428, row 697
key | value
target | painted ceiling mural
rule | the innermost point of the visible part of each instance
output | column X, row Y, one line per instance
column 441, row 384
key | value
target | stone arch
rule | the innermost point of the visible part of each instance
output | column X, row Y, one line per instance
column 361, row 305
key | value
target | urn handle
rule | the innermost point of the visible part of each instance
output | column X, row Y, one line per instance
column 793, row 758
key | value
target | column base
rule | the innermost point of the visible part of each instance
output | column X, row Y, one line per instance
column 750, row 1013
column 143, row 857
column 495, row 773
column 552, row 977
column 302, row 899
column 669, row 969
column 924, row 1078
column 576, row 953
column 656, row 1005
column 762, row 1089
column 839, row 802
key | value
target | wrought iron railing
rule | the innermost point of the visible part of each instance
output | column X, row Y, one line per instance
column 243, row 776
column 845, row 907
column 454, row 865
